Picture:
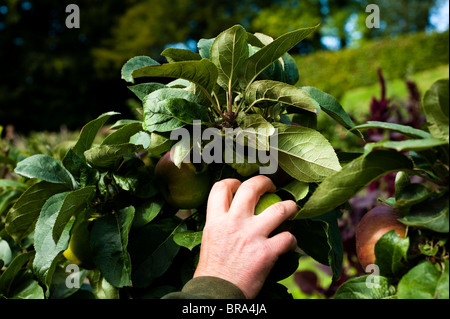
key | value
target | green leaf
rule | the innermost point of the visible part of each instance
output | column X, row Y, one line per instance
column 120, row 123
column 188, row 239
column 46, row 168
column 291, row 75
column 304, row 153
column 365, row 287
column 185, row 111
column 159, row 144
column 136, row 178
column 157, row 118
column 297, row 189
column 123, row 134
column 8, row 276
column 255, row 131
column 432, row 213
column 411, row 194
column 425, row 281
column 144, row 89
column 204, row 47
column 391, row 254
column 326, row 247
column 256, row 63
column 89, row 132
column 332, row 107
column 47, row 250
column 152, row 250
column 157, row 114
column 284, row 69
column 274, row 91
column 403, row 129
column 334, row 240
column 60, row 289
column 257, row 39
column 241, row 163
column 21, row 218
column 109, row 156
column 228, row 51
column 103, row 289
column 177, row 55
column 135, row 64
column 182, row 149
column 343, row 185
column 80, row 170
column 5, row 253
column 203, row 73
column 408, row 145
column 26, row 287
column 302, row 118
column 74, row 203
column 436, row 105
column 109, row 241
column 147, row 211
column 141, row 138
column 180, row 84
column 401, row 182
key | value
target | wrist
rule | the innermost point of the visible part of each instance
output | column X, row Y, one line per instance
column 237, row 280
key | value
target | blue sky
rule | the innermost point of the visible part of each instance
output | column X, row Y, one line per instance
column 439, row 19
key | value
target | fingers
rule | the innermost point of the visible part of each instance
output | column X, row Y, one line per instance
column 282, row 243
column 273, row 216
column 221, row 196
column 248, row 194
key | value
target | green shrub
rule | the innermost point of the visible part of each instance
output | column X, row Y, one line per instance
column 338, row 71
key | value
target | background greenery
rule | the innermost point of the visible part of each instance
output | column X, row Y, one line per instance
column 399, row 58
column 53, row 76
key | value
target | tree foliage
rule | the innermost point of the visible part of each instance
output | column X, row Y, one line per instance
column 66, row 75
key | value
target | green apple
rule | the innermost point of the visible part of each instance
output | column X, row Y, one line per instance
column 266, row 201
column 183, row 187
column 79, row 251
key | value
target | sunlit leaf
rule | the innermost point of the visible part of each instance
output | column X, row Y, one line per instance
column 304, row 153
column 436, row 107
column 274, row 91
column 228, row 51
column 256, row 63
column 352, row 178
column 203, row 73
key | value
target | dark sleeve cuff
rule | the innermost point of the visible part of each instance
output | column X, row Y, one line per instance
column 207, row 288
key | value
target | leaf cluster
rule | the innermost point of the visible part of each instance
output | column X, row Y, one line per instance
column 239, row 80
column 109, row 184
column 143, row 248
column 423, row 204
column 140, row 247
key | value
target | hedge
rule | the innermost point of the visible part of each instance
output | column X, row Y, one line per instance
column 337, row 71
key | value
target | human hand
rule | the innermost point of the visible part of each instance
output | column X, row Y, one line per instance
column 235, row 244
